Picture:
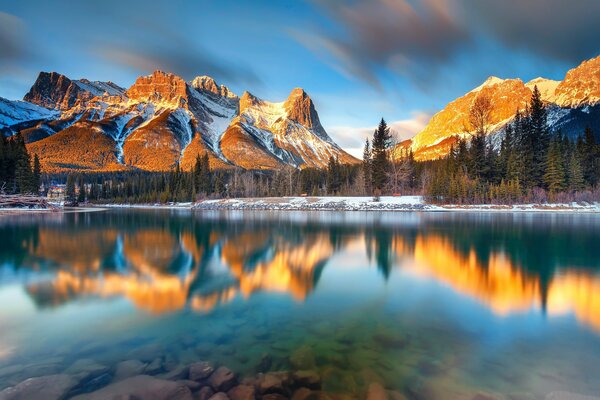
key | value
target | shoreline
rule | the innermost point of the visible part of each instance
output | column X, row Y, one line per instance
column 387, row 203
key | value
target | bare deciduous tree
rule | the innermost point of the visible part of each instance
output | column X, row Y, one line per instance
column 480, row 115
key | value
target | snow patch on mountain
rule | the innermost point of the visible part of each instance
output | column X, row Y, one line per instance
column 13, row 112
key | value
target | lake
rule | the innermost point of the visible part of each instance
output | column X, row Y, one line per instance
column 429, row 305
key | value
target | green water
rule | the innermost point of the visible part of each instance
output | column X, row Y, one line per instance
column 431, row 305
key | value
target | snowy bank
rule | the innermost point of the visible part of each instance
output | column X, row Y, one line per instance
column 386, row 203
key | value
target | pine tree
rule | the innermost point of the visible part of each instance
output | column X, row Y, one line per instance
column 333, row 176
column 590, row 157
column 575, row 173
column 70, row 196
column 81, row 196
column 366, row 167
column 554, row 177
column 37, row 173
column 380, row 161
column 538, row 138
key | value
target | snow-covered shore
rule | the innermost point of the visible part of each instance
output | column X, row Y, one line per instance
column 332, row 203
column 386, row 203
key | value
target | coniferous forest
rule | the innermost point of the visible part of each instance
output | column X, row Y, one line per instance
column 529, row 163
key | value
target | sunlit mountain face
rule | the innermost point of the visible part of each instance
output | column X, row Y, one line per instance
column 510, row 264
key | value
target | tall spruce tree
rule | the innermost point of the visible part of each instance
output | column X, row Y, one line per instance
column 576, row 180
column 366, row 168
column 538, row 138
column 380, row 163
column 554, row 177
column 37, row 174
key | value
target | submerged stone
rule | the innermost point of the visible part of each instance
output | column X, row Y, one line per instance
column 376, row 391
column 51, row 387
column 222, row 379
column 141, row 387
column 242, row 392
column 129, row 368
column 200, row 370
column 204, row 393
column 303, row 358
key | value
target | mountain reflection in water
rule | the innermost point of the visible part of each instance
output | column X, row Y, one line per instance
column 510, row 263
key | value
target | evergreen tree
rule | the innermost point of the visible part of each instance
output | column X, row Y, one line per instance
column 333, row 176
column 366, row 167
column 37, row 173
column 70, row 196
column 380, row 159
column 554, row 177
column 538, row 138
column 81, row 195
column 575, row 173
column 590, row 157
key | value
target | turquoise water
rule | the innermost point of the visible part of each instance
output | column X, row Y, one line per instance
column 431, row 305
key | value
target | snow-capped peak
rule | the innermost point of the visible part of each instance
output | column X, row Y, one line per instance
column 546, row 87
column 491, row 81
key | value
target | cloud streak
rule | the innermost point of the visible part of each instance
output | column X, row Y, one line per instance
column 417, row 39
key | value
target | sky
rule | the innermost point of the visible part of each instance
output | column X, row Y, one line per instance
column 360, row 61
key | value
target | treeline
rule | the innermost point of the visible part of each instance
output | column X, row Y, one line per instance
column 531, row 164
column 18, row 174
column 202, row 182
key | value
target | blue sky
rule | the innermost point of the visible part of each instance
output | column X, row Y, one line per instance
column 359, row 60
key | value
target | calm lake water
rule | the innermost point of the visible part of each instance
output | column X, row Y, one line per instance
column 432, row 305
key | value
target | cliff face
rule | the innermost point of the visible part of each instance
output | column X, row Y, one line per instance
column 162, row 121
column 159, row 87
column 56, row 91
column 53, row 90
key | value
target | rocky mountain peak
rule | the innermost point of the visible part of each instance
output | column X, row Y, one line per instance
column 53, row 90
column 546, row 87
column 208, row 84
column 159, row 87
column 300, row 108
column 581, row 85
column 248, row 100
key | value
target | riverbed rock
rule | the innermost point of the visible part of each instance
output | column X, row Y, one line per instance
column 265, row 363
column 274, row 396
column 302, row 394
column 155, row 367
column 86, row 369
column 200, row 371
column 178, row 373
column 222, row 379
column 50, row 387
column 274, row 382
column 376, row 391
column 307, row 379
column 219, row 396
column 242, row 392
column 192, row 385
column 303, row 358
column 204, row 393
column 129, row 368
column 141, row 387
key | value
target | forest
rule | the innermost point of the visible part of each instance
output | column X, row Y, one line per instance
column 529, row 163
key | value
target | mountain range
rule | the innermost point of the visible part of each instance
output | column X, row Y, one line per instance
column 162, row 121
column 573, row 104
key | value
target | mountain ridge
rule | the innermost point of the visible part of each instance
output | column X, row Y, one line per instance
column 160, row 121
column 572, row 104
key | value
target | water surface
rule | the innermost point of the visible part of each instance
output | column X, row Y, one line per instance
column 432, row 305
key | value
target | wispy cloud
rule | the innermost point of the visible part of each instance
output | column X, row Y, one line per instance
column 418, row 39
column 13, row 49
